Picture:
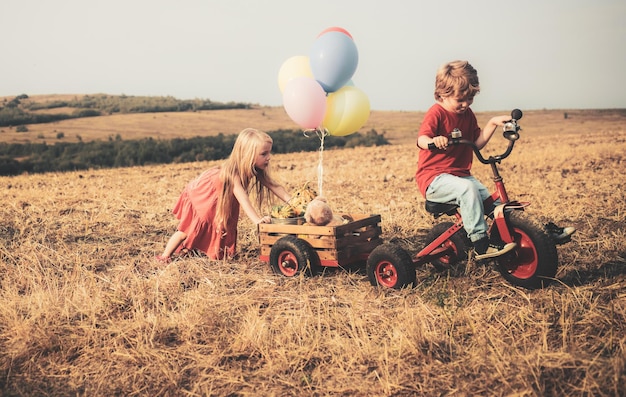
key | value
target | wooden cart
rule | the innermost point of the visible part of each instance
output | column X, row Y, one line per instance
column 293, row 249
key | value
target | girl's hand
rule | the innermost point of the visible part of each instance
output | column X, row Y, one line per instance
column 265, row 219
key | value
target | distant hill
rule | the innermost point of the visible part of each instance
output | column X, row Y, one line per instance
column 397, row 126
column 113, row 132
column 74, row 118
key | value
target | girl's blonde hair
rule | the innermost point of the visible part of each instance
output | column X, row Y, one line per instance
column 458, row 79
column 240, row 165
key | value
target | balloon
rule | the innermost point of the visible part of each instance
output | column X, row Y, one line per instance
column 304, row 101
column 347, row 110
column 296, row 66
column 335, row 29
column 334, row 58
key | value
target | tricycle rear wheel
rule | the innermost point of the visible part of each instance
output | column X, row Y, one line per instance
column 292, row 256
column 456, row 246
column 390, row 266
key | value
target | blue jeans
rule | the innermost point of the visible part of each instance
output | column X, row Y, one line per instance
column 468, row 193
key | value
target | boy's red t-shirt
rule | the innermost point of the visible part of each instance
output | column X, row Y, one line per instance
column 457, row 159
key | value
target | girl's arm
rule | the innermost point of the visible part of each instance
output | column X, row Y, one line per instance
column 280, row 192
column 244, row 201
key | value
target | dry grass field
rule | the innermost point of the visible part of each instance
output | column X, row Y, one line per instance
column 85, row 310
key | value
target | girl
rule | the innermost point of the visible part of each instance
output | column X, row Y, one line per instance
column 208, row 207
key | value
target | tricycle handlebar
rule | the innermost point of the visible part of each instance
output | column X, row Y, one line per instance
column 511, row 133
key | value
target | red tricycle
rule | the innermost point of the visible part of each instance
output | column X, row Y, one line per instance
column 532, row 264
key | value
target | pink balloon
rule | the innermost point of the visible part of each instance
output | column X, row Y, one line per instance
column 304, row 100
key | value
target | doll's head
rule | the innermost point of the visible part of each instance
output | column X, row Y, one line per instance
column 318, row 212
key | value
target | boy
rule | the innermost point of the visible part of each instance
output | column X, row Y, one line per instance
column 443, row 174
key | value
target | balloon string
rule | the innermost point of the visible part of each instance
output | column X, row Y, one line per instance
column 321, row 133
column 320, row 166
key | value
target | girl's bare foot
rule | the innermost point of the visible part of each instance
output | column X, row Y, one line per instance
column 163, row 259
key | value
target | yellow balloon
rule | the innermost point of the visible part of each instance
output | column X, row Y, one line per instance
column 296, row 66
column 347, row 110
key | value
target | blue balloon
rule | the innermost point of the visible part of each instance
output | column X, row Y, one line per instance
column 333, row 58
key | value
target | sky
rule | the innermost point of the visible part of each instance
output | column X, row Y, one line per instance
column 532, row 54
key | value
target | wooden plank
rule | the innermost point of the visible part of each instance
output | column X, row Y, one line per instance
column 296, row 229
column 327, row 255
column 347, row 252
column 360, row 220
column 268, row 239
column 315, row 241
column 324, row 242
column 356, row 239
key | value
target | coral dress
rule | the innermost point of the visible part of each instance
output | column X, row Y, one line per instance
column 196, row 208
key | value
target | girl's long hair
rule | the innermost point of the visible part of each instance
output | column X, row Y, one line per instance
column 240, row 165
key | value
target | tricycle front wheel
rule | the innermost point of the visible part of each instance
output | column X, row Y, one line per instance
column 534, row 262
column 291, row 256
column 390, row 266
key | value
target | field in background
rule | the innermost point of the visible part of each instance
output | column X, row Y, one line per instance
column 399, row 126
column 84, row 309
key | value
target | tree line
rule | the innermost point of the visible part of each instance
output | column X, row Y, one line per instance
column 21, row 110
column 18, row 158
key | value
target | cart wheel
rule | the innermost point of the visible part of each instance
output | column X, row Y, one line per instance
column 456, row 246
column 291, row 256
column 390, row 266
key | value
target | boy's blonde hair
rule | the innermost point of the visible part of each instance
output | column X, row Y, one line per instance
column 240, row 165
column 458, row 79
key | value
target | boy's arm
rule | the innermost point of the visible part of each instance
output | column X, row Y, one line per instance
column 440, row 141
column 490, row 128
column 427, row 133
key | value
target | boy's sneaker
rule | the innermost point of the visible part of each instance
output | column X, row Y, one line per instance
column 485, row 249
column 559, row 234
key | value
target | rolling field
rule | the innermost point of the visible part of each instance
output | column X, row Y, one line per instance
column 85, row 310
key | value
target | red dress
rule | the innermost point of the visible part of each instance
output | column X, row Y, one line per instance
column 196, row 208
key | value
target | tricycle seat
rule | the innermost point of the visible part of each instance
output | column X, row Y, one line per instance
column 438, row 209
